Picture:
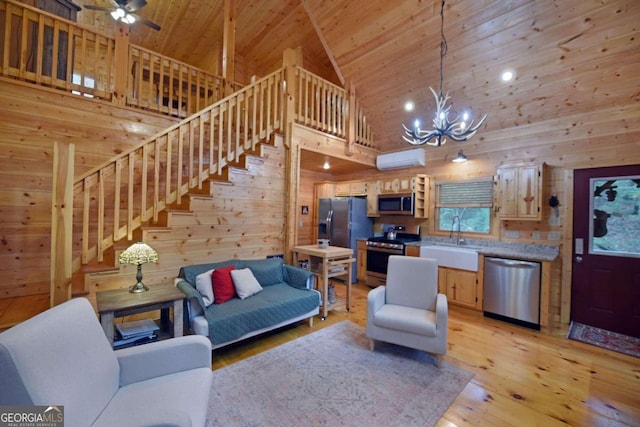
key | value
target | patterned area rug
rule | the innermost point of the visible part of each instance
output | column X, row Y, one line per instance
column 330, row 378
column 605, row 339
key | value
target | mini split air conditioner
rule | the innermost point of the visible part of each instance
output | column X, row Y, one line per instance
column 401, row 159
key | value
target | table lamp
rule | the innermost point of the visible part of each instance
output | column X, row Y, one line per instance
column 138, row 254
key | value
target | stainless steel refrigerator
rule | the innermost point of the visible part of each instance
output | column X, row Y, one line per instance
column 343, row 220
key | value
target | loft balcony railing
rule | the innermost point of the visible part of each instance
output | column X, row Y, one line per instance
column 50, row 51
column 42, row 49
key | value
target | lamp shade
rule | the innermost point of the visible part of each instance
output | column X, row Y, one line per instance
column 138, row 253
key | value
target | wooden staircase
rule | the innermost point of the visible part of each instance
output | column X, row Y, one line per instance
column 138, row 190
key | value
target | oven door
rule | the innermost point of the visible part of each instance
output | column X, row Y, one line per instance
column 377, row 262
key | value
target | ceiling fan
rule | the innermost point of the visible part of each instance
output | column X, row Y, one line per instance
column 124, row 11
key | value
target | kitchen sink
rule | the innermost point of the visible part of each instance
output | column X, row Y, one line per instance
column 452, row 256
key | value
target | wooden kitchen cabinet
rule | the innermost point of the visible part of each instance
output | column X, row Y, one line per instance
column 421, row 199
column 357, row 188
column 361, row 267
column 412, row 250
column 460, row 286
column 372, row 199
column 520, row 192
column 325, row 190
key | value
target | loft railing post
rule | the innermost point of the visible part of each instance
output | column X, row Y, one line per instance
column 228, row 46
column 61, row 222
column 122, row 66
column 291, row 60
column 351, row 118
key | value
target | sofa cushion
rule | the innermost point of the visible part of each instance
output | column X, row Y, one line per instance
column 267, row 271
column 204, row 285
column 274, row 304
column 245, row 283
column 223, row 288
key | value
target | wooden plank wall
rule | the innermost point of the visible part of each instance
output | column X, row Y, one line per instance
column 242, row 219
column 30, row 120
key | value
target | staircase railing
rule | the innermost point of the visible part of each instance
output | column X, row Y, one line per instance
column 111, row 201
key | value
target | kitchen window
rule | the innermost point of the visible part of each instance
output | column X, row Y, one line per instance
column 466, row 204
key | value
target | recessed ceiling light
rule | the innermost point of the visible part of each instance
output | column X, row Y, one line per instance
column 409, row 106
column 326, row 165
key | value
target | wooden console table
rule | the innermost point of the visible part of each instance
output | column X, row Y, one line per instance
column 332, row 258
column 121, row 302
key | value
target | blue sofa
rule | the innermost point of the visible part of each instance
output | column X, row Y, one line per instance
column 288, row 296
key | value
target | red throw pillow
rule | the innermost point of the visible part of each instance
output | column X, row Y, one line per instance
column 223, row 289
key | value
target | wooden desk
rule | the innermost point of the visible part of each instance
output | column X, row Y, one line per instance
column 121, row 302
column 332, row 257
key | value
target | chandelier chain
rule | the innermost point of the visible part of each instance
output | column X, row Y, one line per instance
column 443, row 46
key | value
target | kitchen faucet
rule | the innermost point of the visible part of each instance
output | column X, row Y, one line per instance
column 453, row 222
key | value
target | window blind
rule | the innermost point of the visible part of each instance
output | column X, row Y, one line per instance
column 476, row 193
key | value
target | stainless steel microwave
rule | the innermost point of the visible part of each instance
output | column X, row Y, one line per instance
column 395, row 204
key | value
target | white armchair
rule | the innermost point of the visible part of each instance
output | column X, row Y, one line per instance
column 408, row 311
column 62, row 357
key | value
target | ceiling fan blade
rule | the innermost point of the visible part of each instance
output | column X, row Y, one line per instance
column 134, row 5
column 148, row 23
column 100, row 8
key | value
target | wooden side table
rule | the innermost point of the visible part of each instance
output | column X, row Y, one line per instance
column 332, row 258
column 121, row 302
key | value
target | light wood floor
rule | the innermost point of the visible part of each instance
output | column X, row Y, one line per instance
column 522, row 377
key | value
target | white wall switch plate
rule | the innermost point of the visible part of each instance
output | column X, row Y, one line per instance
column 554, row 236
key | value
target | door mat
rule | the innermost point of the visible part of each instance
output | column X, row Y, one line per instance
column 605, row 339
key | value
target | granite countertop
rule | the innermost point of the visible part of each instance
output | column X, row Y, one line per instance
column 525, row 251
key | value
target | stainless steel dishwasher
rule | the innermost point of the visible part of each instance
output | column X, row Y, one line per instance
column 512, row 291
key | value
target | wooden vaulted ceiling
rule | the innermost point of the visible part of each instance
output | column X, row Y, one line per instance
column 571, row 57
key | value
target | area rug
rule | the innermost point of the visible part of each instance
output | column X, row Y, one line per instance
column 330, row 378
column 605, row 339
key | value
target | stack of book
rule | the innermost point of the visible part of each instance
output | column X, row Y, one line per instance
column 137, row 332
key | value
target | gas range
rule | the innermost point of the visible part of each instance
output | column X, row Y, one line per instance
column 397, row 243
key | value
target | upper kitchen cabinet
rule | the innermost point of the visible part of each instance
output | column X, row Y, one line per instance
column 349, row 188
column 325, row 190
column 520, row 192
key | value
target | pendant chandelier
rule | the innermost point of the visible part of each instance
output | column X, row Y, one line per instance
column 458, row 129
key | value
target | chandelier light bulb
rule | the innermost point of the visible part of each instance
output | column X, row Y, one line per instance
column 409, row 106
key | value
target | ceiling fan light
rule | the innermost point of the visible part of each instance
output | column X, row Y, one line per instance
column 118, row 13
column 128, row 19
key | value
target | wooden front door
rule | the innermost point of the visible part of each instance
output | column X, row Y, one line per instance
column 605, row 288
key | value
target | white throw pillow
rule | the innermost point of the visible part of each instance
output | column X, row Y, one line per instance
column 204, row 285
column 245, row 283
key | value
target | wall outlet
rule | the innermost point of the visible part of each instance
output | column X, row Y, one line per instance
column 512, row 234
column 554, row 236
column 535, row 235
